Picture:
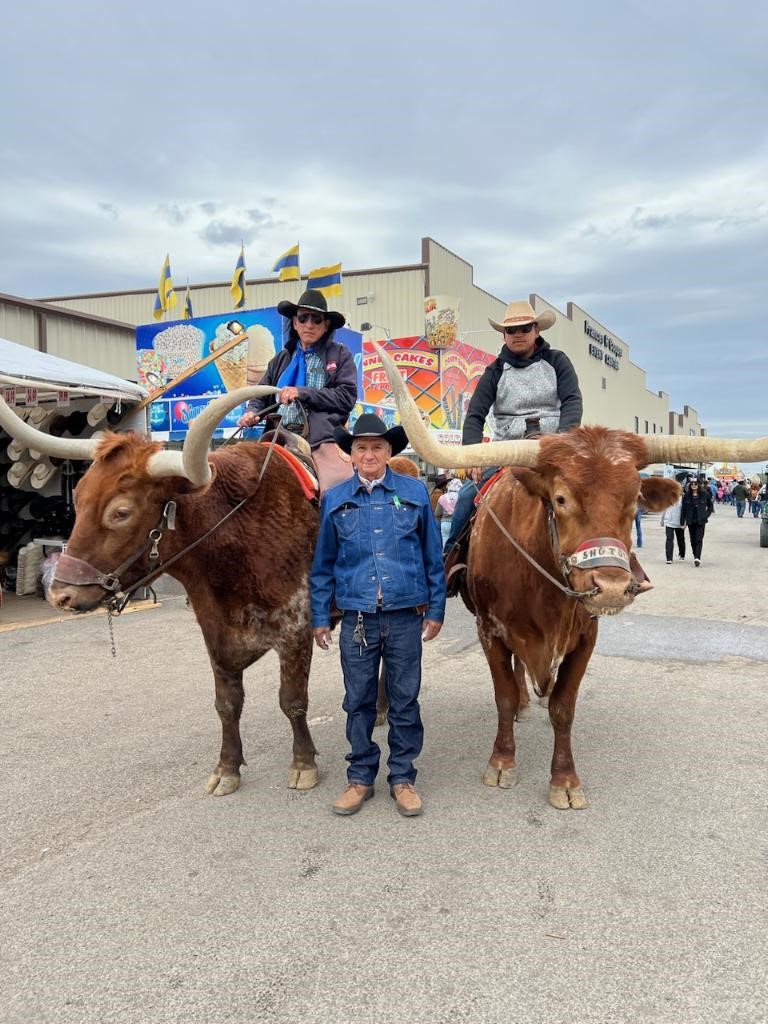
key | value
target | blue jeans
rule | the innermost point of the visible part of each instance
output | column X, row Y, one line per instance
column 639, row 527
column 740, row 506
column 465, row 505
column 395, row 636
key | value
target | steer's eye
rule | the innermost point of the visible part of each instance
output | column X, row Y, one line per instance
column 560, row 500
column 120, row 514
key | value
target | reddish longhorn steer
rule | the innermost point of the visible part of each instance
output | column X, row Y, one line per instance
column 549, row 554
column 247, row 583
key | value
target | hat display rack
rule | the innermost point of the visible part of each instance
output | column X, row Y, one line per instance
column 36, row 489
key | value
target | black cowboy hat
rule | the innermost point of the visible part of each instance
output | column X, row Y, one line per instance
column 315, row 301
column 370, row 425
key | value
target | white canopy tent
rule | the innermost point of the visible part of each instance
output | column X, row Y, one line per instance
column 25, row 367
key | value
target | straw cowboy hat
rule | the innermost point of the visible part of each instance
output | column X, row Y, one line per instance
column 314, row 301
column 19, row 472
column 370, row 425
column 42, row 473
column 518, row 314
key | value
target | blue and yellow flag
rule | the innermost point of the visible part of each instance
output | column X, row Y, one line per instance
column 188, row 314
column 288, row 265
column 326, row 280
column 166, row 296
column 238, row 281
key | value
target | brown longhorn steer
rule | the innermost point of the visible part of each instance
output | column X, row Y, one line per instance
column 247, row 583
column 568, row 502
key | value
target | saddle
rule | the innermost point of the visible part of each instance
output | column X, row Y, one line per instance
column 295, row 450
column 455, row 561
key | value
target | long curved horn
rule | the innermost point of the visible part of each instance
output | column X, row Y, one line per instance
column 679, row 448
column 59, row 447
column 496, row 453
column 192, row 461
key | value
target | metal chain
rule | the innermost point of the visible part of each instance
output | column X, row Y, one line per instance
column 111, row 628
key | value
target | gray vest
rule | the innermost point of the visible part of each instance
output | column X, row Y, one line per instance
column 525, row 393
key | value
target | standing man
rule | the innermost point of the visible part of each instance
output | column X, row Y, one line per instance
column 318, row 372
column 379, row 561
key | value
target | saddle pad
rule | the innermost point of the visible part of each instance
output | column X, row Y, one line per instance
column 308, row 481
column 488, row 485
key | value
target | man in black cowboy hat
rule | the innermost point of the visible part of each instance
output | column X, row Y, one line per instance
column 379, row 560
column 318, row 372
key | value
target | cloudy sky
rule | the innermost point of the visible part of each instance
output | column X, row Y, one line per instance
column 613, row 154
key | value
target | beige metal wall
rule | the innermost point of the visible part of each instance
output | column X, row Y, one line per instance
column 392, row 299
column 90, row 340
column 451, row 275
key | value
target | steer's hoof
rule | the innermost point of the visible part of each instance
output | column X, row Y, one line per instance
column 302, row 778
column 222, row 785
column 504, row 778
column 565, row 798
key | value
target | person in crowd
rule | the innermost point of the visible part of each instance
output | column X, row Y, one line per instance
column 530, row 388
column 379, row 560
column 441, row 483
column 755, row 506
column 696, row 508
column 319, row 373
column 739, row 495
column 670, row 520
column 639, row 526
column 445, row 507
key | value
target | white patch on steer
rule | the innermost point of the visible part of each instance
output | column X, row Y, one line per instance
column 260, row 627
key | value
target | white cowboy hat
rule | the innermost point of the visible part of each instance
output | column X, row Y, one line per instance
column 98, row 412
column 16, row 449
column 518, row 314
column 19, row 472
column 41, row 474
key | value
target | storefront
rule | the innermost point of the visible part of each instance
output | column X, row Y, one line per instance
column 63, row 399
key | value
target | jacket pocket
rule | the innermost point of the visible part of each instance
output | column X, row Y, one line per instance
column 406, row 519
column 346, row 522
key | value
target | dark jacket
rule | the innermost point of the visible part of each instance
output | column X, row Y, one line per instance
column 696, row 508
column 326, row 407
column 482, row 400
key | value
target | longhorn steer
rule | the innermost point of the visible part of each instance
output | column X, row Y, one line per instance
column 247, row 583
column 568, row 501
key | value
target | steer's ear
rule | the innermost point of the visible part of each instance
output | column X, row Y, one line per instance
column 531, row 480
column 658, row 493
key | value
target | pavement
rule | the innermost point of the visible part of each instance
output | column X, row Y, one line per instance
column 126, row 895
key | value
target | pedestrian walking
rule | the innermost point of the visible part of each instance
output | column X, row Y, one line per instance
column 696, row 508
column 445, row 507
column 739, row 495
column 670, row 520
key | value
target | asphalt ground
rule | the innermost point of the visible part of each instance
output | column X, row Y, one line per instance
column 127, row 895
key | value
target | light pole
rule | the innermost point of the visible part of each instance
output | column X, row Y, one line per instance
column 369, row 327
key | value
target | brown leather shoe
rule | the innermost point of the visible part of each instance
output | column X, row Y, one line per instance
column 353, row 798
column 407, row 800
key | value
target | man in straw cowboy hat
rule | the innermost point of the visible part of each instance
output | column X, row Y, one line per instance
column 318, row 372
column 379, row 560
column 530, row 388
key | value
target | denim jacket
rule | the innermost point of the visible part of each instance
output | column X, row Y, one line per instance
column 386, row 541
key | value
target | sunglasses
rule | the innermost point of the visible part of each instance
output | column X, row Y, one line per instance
column 524, row 329
column 316, row 318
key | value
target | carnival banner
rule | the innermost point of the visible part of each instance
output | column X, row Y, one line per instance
column 165, row 351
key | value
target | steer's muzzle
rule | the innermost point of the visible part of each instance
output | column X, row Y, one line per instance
column 609, row 590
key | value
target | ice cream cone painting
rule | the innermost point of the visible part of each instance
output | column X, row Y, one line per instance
column 261, row 348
